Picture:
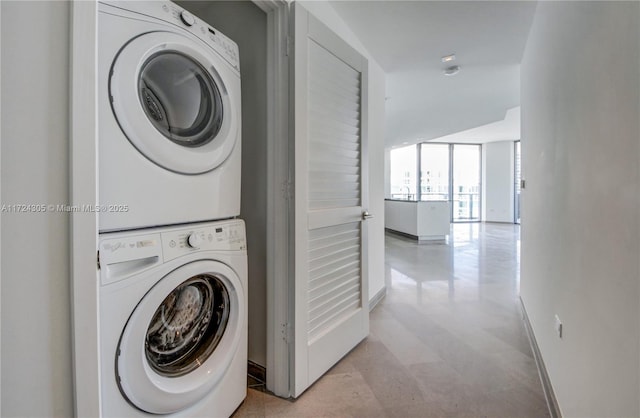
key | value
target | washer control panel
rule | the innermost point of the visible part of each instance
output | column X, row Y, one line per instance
column 219, row 236
column 124, row 253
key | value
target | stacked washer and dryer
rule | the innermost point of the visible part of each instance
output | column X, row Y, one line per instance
column 172, row 254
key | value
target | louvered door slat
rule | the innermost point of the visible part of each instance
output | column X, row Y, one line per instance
column 324, row 133
column 325, row 305
column 332, row 178
column 334, row 131
column 324, row 322
column 341, row 102
column 331, row 153
column 343, row 128
column 334, row 273
column 347, row 278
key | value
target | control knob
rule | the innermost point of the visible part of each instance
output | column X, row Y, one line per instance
column 187, row 18
column 194, row 240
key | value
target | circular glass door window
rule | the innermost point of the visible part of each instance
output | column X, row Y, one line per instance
column 187, row 326
column 180, row 98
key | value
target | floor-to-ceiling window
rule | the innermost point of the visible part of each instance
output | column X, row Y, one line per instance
column 434, row 172
column 403, row 173
column 466, row 183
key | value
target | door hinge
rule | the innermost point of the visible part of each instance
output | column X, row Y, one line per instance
column 287, row 190
column 287, row 46
column 287, row 333
column 98, row 259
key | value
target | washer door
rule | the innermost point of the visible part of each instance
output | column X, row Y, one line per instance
column 181, row 337
column 170, row 96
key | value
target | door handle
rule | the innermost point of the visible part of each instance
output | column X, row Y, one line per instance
column 366, row 215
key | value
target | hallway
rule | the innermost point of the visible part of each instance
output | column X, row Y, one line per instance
column 446, row 341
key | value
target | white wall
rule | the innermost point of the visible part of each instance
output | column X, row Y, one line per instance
column 387, row 173
column 246, row 24
column 580, row 208
column 377, row 93
column 324, row 12
column 498, row 181
column 36, row 334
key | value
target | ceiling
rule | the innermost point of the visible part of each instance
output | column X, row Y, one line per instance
column 408, row 39
column 507, row 129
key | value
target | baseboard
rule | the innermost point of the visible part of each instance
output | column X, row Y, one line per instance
column 500, row 222
column 435, row 239
column 401, row 234
column 552, row 402
column 373, row 302
column 256, row 376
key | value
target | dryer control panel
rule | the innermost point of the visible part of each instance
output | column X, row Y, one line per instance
column 217, row 40
column 170, row 12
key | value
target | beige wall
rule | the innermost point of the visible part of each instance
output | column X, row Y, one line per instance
column 580, row 209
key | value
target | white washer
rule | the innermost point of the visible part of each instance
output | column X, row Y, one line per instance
column 169, row 117
column 173, row 320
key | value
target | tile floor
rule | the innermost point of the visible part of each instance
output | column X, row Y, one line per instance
column 446, row 341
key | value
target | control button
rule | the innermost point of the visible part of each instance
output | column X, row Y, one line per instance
column 210, row 237
column 172, row 244
column 194, row 240
column 187, row 18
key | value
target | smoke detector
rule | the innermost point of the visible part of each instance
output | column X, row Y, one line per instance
column 453, row 70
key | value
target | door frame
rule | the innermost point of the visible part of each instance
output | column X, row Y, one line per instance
column 83, row 180
column 279, row 198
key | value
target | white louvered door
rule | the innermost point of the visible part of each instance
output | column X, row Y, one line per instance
column 331, row 305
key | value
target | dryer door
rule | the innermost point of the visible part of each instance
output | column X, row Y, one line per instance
column 181, row 338
column 177, row 101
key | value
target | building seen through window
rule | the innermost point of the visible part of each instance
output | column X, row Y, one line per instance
column 447, row 172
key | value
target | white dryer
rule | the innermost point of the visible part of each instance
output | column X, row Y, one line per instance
column 169, row 117
column 173, row 320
